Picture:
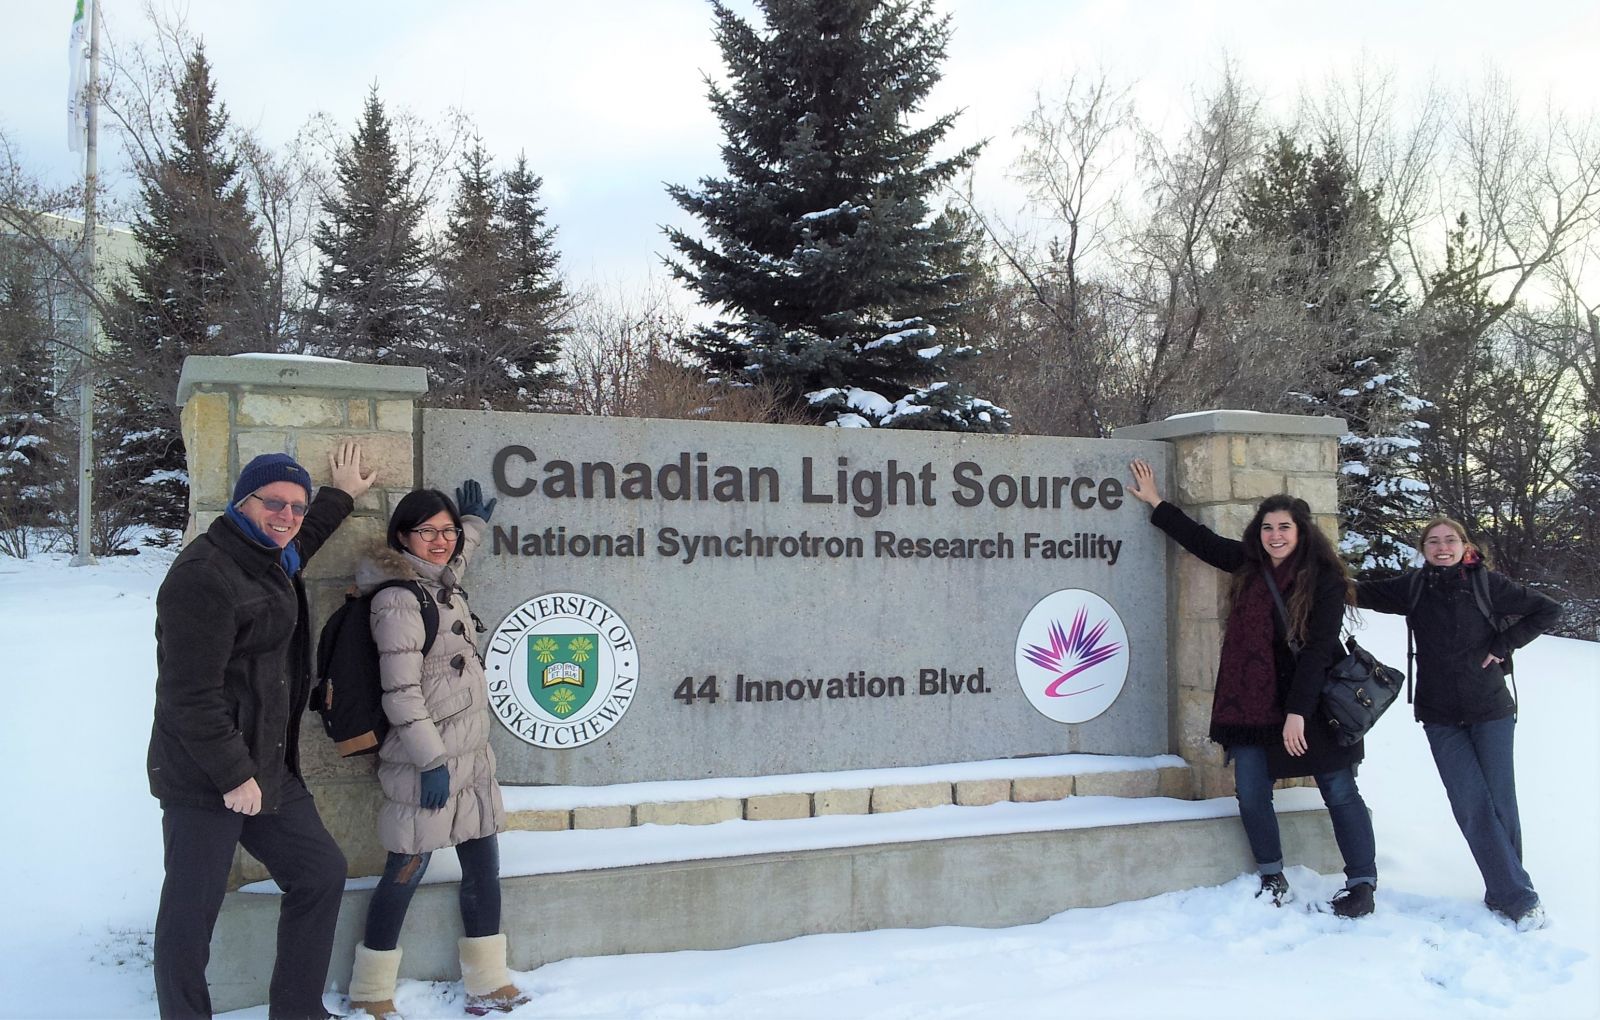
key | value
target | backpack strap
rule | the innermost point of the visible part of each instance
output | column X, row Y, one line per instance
column 1413, row 596
column 430, row 610
column 1480, row 595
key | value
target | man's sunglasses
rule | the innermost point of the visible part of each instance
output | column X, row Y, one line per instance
column 276, row 505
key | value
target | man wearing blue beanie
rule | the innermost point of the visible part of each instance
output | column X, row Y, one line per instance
column 233, row 662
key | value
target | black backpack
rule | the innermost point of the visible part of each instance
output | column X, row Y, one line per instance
column 349, row 691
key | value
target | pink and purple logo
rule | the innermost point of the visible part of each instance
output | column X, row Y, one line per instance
column 1072, row 655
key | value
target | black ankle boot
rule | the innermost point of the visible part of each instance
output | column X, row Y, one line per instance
column 1277, row 887
column 1353, row 902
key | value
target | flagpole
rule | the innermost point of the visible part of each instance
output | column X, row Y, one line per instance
column 85, row 553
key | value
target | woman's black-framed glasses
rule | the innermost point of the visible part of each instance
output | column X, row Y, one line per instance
column 276, row 505
column 428, row 534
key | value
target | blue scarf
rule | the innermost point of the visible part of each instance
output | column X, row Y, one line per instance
column 289, row 556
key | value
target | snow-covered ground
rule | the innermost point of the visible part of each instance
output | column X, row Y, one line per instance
column 83, row 856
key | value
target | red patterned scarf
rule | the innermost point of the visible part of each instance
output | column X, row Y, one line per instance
column 1245, row 707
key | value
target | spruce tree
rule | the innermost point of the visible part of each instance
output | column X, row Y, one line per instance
column 376, row 301
column 33, row 467
column 834, row 279
column 498, row 293
column 1318, row 242
column 1454, row 363
column 197, row 288
column 539, row 301
column 472, row 292
column 1582, row 523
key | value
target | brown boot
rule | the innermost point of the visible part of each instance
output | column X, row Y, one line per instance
column 372, row 982
column 483, row 972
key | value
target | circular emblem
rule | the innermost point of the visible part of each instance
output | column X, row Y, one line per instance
column 1072, row 655
column 562, row 669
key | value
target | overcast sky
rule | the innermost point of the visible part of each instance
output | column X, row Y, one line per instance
column 606, row 97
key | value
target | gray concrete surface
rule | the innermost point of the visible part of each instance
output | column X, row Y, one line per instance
column 776, row 619
column 263, row 372
column 981, row 881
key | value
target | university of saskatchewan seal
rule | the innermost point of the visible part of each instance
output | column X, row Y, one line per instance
column 562, row 670
column 1072, row 655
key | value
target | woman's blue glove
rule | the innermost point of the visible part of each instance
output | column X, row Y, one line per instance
column 436, row 787
column 469, row 500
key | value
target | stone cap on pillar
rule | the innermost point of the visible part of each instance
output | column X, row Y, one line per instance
column 298, row 372
column 1204, row 423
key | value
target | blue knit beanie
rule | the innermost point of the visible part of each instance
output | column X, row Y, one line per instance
column 269, row 468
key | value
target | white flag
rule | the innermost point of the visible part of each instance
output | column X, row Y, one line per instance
column 78, row 77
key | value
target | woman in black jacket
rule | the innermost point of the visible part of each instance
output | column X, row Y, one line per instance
column 1270, row 675
column 1452, row 605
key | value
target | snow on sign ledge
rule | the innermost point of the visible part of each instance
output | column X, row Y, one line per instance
column 1238, row 422
column 571, row 850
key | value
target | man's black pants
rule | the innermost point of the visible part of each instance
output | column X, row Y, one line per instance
column 301, row 857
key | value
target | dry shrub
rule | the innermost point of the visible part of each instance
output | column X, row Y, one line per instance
column 622, row 360
column 672, row 390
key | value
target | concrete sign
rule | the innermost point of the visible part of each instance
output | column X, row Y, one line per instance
column 671, row 600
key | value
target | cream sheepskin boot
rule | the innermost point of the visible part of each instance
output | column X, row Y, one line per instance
column 483, row 972
column 372, row 982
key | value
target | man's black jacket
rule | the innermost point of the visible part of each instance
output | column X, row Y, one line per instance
column 233, row 663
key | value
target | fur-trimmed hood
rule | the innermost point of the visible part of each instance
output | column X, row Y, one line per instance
column 384, row 563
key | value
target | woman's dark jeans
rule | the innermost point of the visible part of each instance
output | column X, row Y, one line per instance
column 480, row 892
column 1475, row 763
column 1352, row 824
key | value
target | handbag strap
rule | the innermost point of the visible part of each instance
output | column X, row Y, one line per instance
column 1283, row 611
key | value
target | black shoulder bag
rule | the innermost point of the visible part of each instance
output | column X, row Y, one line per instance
column 1358, row 688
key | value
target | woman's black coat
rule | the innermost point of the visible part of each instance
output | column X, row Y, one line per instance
column 1453, row 637
column 1300, row 678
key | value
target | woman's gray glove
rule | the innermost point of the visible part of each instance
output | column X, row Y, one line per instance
column 436, row 787
column 469, row 500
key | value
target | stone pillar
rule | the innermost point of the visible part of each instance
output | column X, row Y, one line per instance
column 1223, row 464
column 238, row 407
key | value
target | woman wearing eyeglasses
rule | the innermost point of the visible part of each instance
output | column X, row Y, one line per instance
column 435, row 766
column 1454, row 604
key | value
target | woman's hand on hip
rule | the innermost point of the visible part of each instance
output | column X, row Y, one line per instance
column 1294, row 734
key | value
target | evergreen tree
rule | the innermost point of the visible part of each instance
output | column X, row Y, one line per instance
column 1454, row 363
column 834, row 279
column 539, row 301
column 33, row 469
column 1581, row 518
column 1315, row 242
column 376, row 301
column 499, row 297
column 472, row 292
column 1506, row 453
column 197, row 288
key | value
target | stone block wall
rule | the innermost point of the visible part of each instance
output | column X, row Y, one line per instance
column 1223, row 464
column 236, row 408
column 1064, row 779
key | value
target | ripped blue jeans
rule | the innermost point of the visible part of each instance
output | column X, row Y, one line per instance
column 480, row 892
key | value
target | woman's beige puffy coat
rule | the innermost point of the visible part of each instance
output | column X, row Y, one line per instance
column 438, row 706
